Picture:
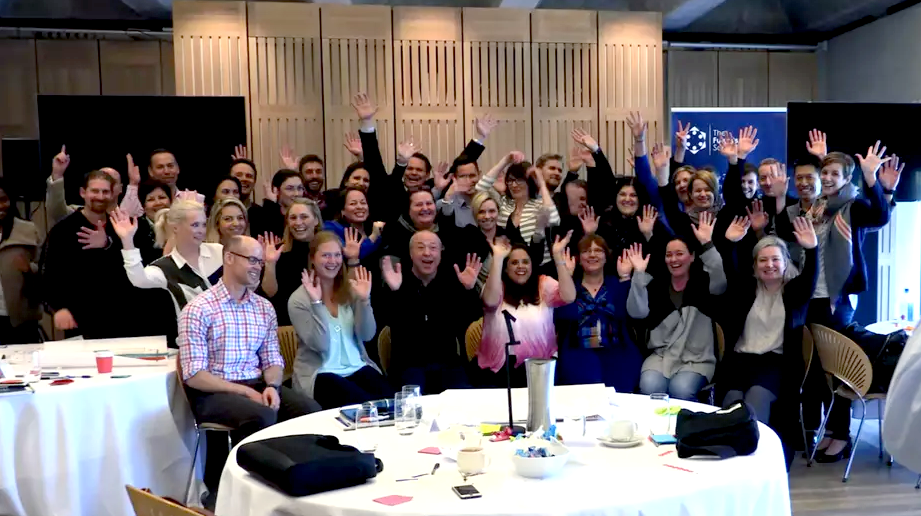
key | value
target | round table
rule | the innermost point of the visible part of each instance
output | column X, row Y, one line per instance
column 598, row 481
column 71, row 449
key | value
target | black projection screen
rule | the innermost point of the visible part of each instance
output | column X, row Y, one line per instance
column 100, row 130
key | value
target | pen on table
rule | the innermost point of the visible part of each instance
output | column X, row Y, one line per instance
column 437, row 465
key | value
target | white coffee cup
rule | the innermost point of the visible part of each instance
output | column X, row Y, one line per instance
column 622, row 430
column 472, row 459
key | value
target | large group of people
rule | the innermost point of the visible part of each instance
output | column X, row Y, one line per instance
column 626, row 278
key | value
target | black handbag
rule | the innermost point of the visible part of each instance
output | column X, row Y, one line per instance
column 883, row 351
column 725, row 433
column 300, row 465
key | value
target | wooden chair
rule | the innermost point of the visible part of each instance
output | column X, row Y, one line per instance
column 721, row 351
column 146, row 504
column 383, row 348
column 287, row 344
column 200, row 428
column 473, row 337
column 843, row 359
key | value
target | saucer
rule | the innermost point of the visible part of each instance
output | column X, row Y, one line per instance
column 611, row 443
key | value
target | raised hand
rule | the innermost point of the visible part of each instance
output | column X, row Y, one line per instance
column 543, row 219
column 817, row 144
column 635, row 254
column 123, row 225
column 352, row 143
column 569, row 260
column 500, row 249
column 647, row 220
column 747, row 141
column 352, row 247
column 288, row 159
column 737, row 230
column 468, row 276
column 805, row 233
column 484, row 126
column 269, row 191
column 637, row 125
column 393, row 276
column 575, row 158
column 624, row 265
column 190, row 195
column 364, row 108
column 728, row 146
column 270, row 250
column 704, row 230
column 757, row 216
column 311, row 283
column 583, row 138
column 559, row 244
column 134, row 173
column 239, row 152
column 681, row 135
column 660, row 156
column 589, row 220
column 890, row 173
column 405, row 150
column 60, row 163
column 514, row 157
column 361, row 283
column 94, row 238
column 376, row 229
column 777, row 180
column 871, row 163
column 442, row 177
column 64, row 320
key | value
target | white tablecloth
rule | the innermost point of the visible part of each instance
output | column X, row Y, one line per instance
column 596, row 481
column 69, row 450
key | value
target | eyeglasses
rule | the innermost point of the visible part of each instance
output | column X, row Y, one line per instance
column 251, row 259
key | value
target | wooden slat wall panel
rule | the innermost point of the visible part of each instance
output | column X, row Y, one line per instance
column 743, row 79
column 130, row 67
column 630, row 71
column 497, row 78
column 209, row 48
column 564, row 61
column 791, row 77
column 168, row 67
column 693, row 78
column 428, row 91
column 18, row 105
column 285, row 81
column 357, row 55
column 68, row 67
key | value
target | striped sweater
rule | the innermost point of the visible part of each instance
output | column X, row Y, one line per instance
column 529, row 214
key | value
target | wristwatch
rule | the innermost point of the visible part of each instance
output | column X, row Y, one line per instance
column 277, row 387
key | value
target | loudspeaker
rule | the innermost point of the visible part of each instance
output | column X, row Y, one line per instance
column 22, row 168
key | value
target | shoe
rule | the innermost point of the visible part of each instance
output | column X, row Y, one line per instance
column 845, row 453
column 209, row 500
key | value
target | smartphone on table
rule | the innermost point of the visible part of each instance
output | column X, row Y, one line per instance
column 466, row 492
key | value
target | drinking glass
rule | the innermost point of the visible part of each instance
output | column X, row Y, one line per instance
column 366, row 424
column 414, row 392
column 404, row 407
column 660, row 420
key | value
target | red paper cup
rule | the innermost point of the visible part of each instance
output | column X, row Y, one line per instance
column 103, row 362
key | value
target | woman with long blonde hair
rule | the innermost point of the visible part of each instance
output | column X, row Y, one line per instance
column 228, row 218
column 332, row 316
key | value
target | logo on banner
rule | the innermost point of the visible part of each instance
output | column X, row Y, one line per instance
column 696, row 140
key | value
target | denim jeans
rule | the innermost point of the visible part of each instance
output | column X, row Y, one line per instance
column 683, row 385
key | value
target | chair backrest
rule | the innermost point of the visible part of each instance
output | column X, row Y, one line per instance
column 383, row 348
column 808, row 348
column 843, row 358
column 287, row 344
column 473, row 337
column 146, row 504
column 720, row 341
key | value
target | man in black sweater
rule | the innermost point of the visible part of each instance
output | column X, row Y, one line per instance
column 87, row 288
column 432, row 308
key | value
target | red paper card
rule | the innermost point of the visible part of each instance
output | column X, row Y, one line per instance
column 431, row 450
column 393, row 500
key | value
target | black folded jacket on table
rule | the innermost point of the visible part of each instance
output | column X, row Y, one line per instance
column 300, row 465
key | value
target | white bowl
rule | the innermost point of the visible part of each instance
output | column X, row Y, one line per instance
column 542, row 467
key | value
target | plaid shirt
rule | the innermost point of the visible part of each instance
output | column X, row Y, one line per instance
column 233, row 340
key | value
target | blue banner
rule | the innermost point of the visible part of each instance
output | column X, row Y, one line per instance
column 707, row 124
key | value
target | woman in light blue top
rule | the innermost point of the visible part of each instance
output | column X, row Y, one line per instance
column 332, row 317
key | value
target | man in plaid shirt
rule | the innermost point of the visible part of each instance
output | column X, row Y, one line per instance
column 231, row 364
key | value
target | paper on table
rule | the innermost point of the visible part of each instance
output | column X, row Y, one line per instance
column 491, row 405
column 117, row 346
column 84, row 359
column 393, row 500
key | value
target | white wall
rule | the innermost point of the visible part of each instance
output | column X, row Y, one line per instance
column 881, row 62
